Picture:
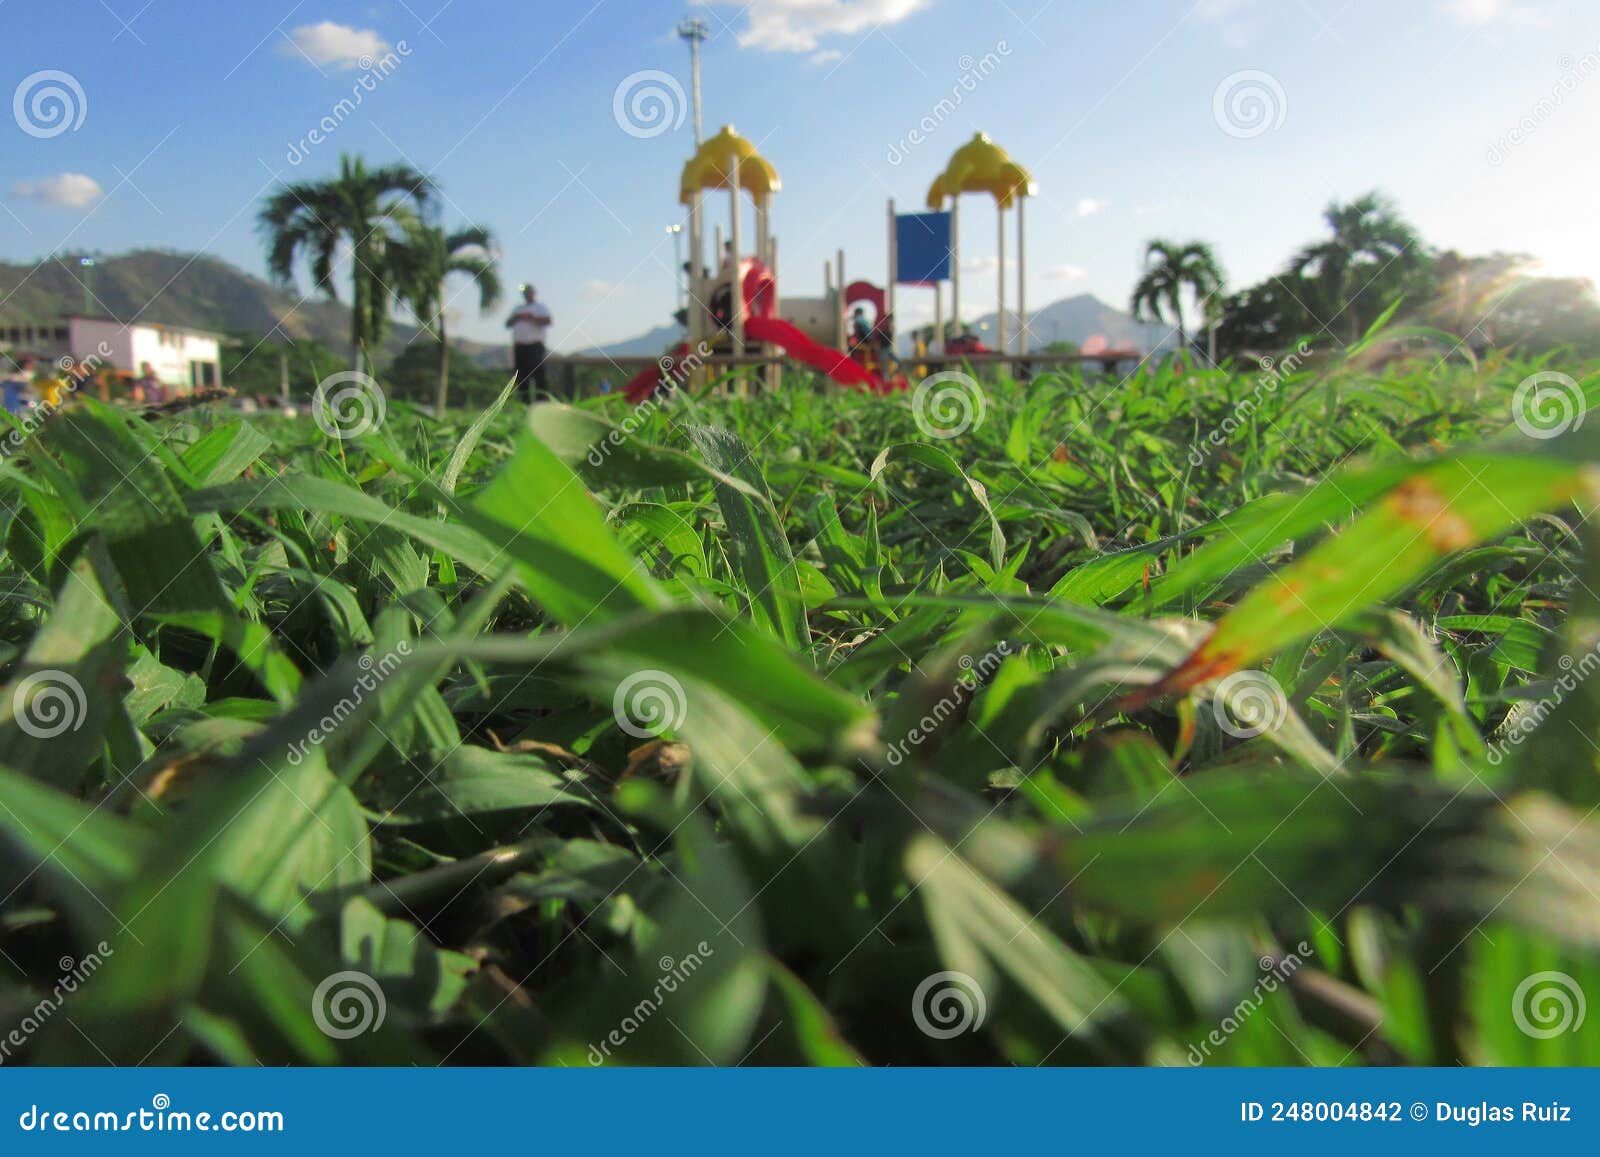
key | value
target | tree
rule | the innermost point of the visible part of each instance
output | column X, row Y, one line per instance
column 1264, row 318
column 1371, row 258
column 414, row 376
column 1170, row 269
column 423, row 260
column 1498, row 300
column 255, row 365
column 364, row 209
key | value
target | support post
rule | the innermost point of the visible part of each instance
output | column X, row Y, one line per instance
column 955, row 262
column 697, row 260
column 844, row 341
column 1000, row 319
column 734, row 256
column 937, row 344
column 894, row 265
column 1022, row 278
column 774, row 368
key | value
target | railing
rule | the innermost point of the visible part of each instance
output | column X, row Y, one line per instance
column 1108, row 360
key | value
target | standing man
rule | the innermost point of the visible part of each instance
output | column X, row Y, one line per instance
column 529, row 323
column 148, row 388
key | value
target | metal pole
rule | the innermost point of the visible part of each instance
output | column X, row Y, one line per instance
column 955, row 263
column 697, row 259
column 694, row 30
column 894, row 264
column 734, row 256
column 1022, row 279
column 843, row 328
column 1000, row 214
column 88, row 265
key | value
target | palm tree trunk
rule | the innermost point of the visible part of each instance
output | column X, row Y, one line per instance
column 358, row 328
column 444, row 367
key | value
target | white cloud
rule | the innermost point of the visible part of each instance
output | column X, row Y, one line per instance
column 1065, row 273
column 336, row 44
column 1218, row 11
column 981, row 264
column 1486, row 13
column 596, row 288
column 1089, row 206
column 64, row 190
column 800, row 25
column 826, row 56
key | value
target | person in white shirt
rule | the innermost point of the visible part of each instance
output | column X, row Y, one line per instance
column 529, row 323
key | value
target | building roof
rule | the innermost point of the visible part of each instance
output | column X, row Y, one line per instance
column 156, row 325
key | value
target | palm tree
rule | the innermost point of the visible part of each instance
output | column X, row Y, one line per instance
column 1371, row 244
column 422, row 261
column 362, row 208
column 1170, row 269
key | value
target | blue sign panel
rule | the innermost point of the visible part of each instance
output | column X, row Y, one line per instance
column 922, row 243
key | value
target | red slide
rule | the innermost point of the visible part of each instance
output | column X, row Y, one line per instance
column 645, row 382
column 840, row 367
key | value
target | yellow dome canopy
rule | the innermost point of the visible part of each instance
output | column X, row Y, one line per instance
column 712, row 163
column 981, row 166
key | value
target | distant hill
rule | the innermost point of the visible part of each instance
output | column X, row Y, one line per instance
column 1076, row 319
column 646, row 345
column 181, row 289
column 1073, row 319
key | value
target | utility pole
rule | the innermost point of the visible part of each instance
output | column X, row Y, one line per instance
column 694, row 30
column 87, row 264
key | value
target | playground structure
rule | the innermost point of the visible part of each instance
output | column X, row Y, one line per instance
column 737, row 316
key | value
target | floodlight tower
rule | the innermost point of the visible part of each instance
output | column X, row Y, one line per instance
column 694, row 30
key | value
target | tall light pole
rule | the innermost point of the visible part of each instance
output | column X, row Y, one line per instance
column 87, row 264
column 694, row 30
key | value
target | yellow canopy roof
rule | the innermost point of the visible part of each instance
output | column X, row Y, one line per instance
column 712, row 163
column 981, row 166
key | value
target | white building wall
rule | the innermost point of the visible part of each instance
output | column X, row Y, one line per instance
column 171, row 353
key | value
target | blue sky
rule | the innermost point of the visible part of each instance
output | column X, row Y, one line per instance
column 191, row 112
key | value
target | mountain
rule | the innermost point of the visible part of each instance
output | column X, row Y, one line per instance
column 1076, row 319
column 182, row 289
column 1073, row 319
column 646, row 345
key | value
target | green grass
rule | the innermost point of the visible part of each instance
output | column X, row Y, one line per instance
column 1270, row 748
